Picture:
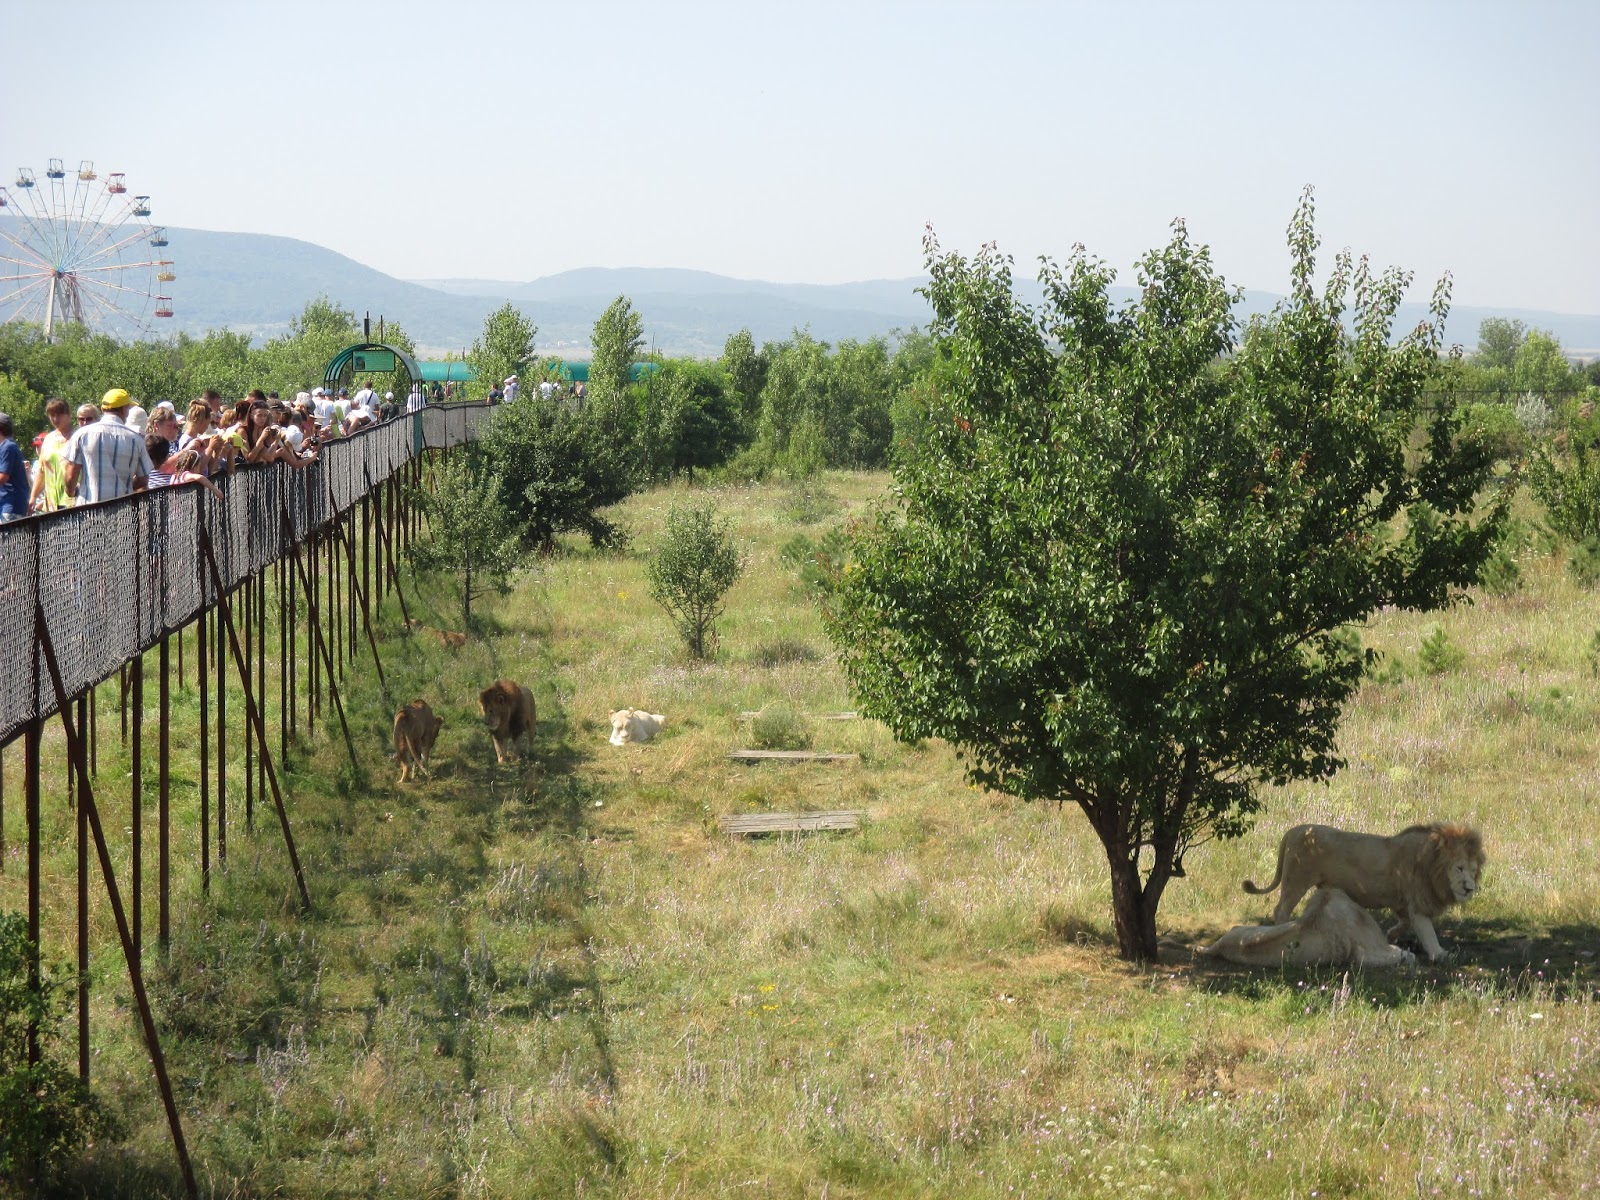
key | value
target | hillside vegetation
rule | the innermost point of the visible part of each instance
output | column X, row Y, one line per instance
column 558, row 977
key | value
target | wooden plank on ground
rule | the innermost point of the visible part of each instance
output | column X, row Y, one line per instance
column 789, row 756
column 835, row 716
column 756, row 824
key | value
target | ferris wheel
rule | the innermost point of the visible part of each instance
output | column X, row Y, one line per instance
column 78, row 246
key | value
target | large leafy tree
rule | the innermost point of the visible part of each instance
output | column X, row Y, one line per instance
column 504, row 347
column 618, row 338
column 1124, row 554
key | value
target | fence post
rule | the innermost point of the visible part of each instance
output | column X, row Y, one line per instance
column 163, row 816
column 89, row 814
column 136, row 866
column 253, row 712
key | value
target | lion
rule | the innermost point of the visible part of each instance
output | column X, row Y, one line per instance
column 415, row 730
column 508, row 712
column 1418, row 873
column 634, row 725
column 1333, row 929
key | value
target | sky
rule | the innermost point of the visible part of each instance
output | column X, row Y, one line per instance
column 814, row 142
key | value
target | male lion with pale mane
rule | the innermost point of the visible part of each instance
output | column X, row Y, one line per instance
column 508, row 713
column 1334, row 929
column 1419, row 872
column 415, row 730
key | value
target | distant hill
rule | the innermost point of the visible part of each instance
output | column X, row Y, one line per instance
column 257, row 283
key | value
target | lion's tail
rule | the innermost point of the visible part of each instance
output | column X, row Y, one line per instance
column 1272, row 884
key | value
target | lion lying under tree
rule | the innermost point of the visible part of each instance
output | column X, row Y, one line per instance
column 1418, row 873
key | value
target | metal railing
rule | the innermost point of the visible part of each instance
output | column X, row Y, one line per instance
column 112, row 579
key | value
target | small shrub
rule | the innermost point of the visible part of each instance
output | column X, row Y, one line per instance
column 697, row 564
column 1496, row 427
column 1500, row 574
column 784, row 650
column 808, row 505
column 1390, row 670
column 1583, row 564
column 1593, row 655
column 46, row 1114
column 780, row 728
column 814, row 562
column 1438, row 655
column 1533, row 414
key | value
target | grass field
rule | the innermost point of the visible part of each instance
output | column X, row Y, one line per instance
column 557, row 978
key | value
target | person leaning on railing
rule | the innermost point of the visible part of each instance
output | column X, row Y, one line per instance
column 172, row 469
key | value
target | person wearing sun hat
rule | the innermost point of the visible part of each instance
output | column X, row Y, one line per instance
column 107, row 459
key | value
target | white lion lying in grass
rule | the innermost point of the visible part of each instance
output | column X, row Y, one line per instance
column 1332, row 930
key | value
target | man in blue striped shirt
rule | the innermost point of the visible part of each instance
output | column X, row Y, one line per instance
column 107, row 459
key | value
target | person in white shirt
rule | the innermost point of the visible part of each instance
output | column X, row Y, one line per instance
column 366, row 397
column 322, row 406
column 512, row 387
column 546, row 388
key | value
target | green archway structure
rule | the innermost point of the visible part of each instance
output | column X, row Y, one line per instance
column 369, row 358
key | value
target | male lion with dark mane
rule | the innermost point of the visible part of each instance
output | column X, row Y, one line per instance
column 1418, row 873
column 508, row 713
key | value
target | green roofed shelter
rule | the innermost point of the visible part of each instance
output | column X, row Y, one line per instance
column 368, row 358
column 453, row 371
column 578, row 372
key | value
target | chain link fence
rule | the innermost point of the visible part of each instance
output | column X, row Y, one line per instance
column 113, row 579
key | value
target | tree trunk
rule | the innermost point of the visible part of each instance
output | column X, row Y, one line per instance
column 1135, row 920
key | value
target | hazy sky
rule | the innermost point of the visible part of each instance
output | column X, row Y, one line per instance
column 811, row 142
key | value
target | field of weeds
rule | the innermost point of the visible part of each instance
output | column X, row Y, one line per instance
column 558, row 978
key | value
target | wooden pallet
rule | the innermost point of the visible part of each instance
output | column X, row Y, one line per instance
column 759, row 824
column 789, row 756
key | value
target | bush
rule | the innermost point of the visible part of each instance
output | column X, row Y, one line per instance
column 780, row 651
column 1496, row 428
column 697, row 564
column 1583, row 564
column 815, row 562
column 780, row 728
column 807, row 505
column 46, row 1114
column 556, row 468
column 1438, row 655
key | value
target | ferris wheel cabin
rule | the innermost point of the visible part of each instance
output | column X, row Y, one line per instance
column 24, row 177
column 56, row 170
column 116, row 183
column 158, row 237
column 163, row 306
column 86, row 171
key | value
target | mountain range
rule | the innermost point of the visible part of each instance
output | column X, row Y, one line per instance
column 257, row 283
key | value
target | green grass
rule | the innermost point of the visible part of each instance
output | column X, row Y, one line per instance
column 556, row 978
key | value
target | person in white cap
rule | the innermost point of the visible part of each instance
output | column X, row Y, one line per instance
column 322, row 406
column 512, row 388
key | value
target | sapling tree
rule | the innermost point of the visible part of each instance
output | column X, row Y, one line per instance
column 470, row 534
column 697, row 563
column 1120, row 561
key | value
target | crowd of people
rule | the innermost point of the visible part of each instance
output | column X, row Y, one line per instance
column 116, row 447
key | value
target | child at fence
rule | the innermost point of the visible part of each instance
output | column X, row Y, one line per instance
column 172, row 470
